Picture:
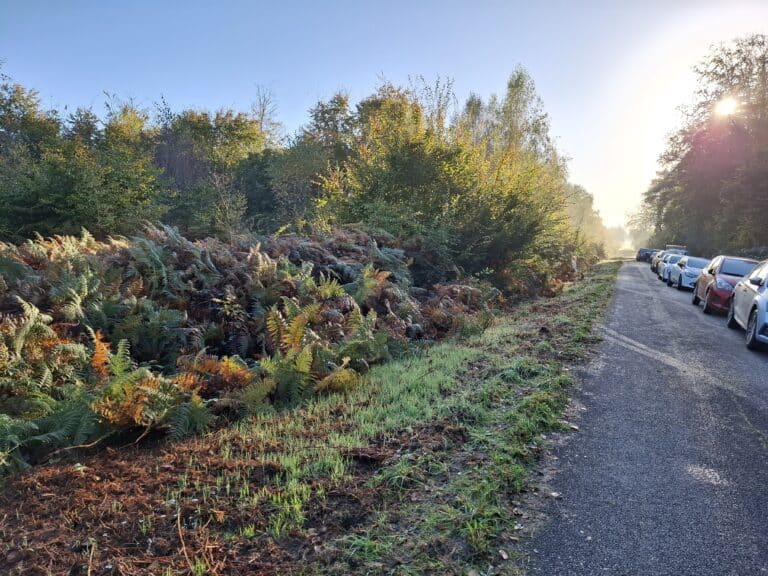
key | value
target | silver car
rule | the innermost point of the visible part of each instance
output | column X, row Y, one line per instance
column 749, row 306
column 656, row 260
column 666, row 265
column 685, row 273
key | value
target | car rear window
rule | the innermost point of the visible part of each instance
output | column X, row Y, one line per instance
column 737, row 267
column 697, row 262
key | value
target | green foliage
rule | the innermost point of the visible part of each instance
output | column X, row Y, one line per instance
column 145, row 326
column 56, row 177
column 13, row 434
column 157, row 332
column 289, row 375
column 154, row 332
column 483, row 193
column 474, row 190
column 192, row 417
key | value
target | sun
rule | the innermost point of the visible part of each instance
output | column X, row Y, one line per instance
column 726, row 107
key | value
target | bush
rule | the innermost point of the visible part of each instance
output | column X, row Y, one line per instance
column 157, row 332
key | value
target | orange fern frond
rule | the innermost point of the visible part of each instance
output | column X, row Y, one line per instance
column 101, row 355
column 188, row 382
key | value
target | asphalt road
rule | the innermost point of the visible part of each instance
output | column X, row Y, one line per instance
column 668, row 474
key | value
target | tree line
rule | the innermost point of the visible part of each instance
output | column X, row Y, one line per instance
column 473, row 189
column 711, row 192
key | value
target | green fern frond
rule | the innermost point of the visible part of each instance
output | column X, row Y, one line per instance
column 192, row 417
column 254, row 396
column 34, row 324
column 329, row 288
column 294, row 334
column 290, row 308
column 303, row 361
column 120, row 362
column 276, row 325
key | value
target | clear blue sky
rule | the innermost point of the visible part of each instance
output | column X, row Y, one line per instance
column 611, row 73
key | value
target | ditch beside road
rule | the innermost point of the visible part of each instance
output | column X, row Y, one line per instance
column 668, row 474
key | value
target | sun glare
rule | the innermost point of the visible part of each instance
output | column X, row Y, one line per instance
column 726, row 107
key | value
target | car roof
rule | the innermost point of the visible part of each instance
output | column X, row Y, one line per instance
column 750, row 260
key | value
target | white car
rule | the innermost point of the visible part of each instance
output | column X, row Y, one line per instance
column 685, row 273
column 666, row 265
column 749, row 306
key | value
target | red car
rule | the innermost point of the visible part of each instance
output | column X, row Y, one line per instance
column 715, row 285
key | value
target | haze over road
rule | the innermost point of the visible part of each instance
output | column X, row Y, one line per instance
column 669, row 472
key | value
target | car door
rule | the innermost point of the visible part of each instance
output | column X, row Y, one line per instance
column 677, row 270
column 745, row 292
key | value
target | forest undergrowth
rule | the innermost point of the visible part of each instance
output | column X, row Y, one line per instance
column 416, row 471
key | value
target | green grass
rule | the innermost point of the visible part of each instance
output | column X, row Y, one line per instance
column 449, row 511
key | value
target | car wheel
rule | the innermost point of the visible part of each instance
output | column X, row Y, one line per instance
column 752, row 342
column 679, row 283
column 669, row 281
column 695, row 300
column 707, row 308
column 731, row 321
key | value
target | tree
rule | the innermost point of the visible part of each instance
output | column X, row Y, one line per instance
column 199, row 153
column 60, row 177
column 710, row 192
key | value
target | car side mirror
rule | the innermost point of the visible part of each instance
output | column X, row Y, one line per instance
column 756, row 281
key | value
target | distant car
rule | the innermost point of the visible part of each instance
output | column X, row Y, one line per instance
column 645, row 254
column 669, row 262
column 715, row 285
column 677, row 249
column 685, row 273
column 656, row 259
column 749, row 306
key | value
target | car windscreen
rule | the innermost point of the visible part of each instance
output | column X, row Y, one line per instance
column 737, row 267
column 697, row 262
column 674, row 258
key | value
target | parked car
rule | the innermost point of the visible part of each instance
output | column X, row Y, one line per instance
column 685, row 273
column 715, row 285
column 656, row 259
column 666, row 265
column 660, row 265
column 749, row 306
column 645, row 254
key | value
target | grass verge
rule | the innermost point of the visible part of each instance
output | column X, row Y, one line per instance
column 415, row 473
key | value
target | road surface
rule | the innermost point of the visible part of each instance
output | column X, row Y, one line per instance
column 668, row 474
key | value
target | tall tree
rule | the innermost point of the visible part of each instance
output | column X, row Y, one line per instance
column 711, row 193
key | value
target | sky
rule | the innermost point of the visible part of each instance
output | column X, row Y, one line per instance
column 612, row 74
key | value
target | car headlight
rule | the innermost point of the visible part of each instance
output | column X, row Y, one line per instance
column 723, row 285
